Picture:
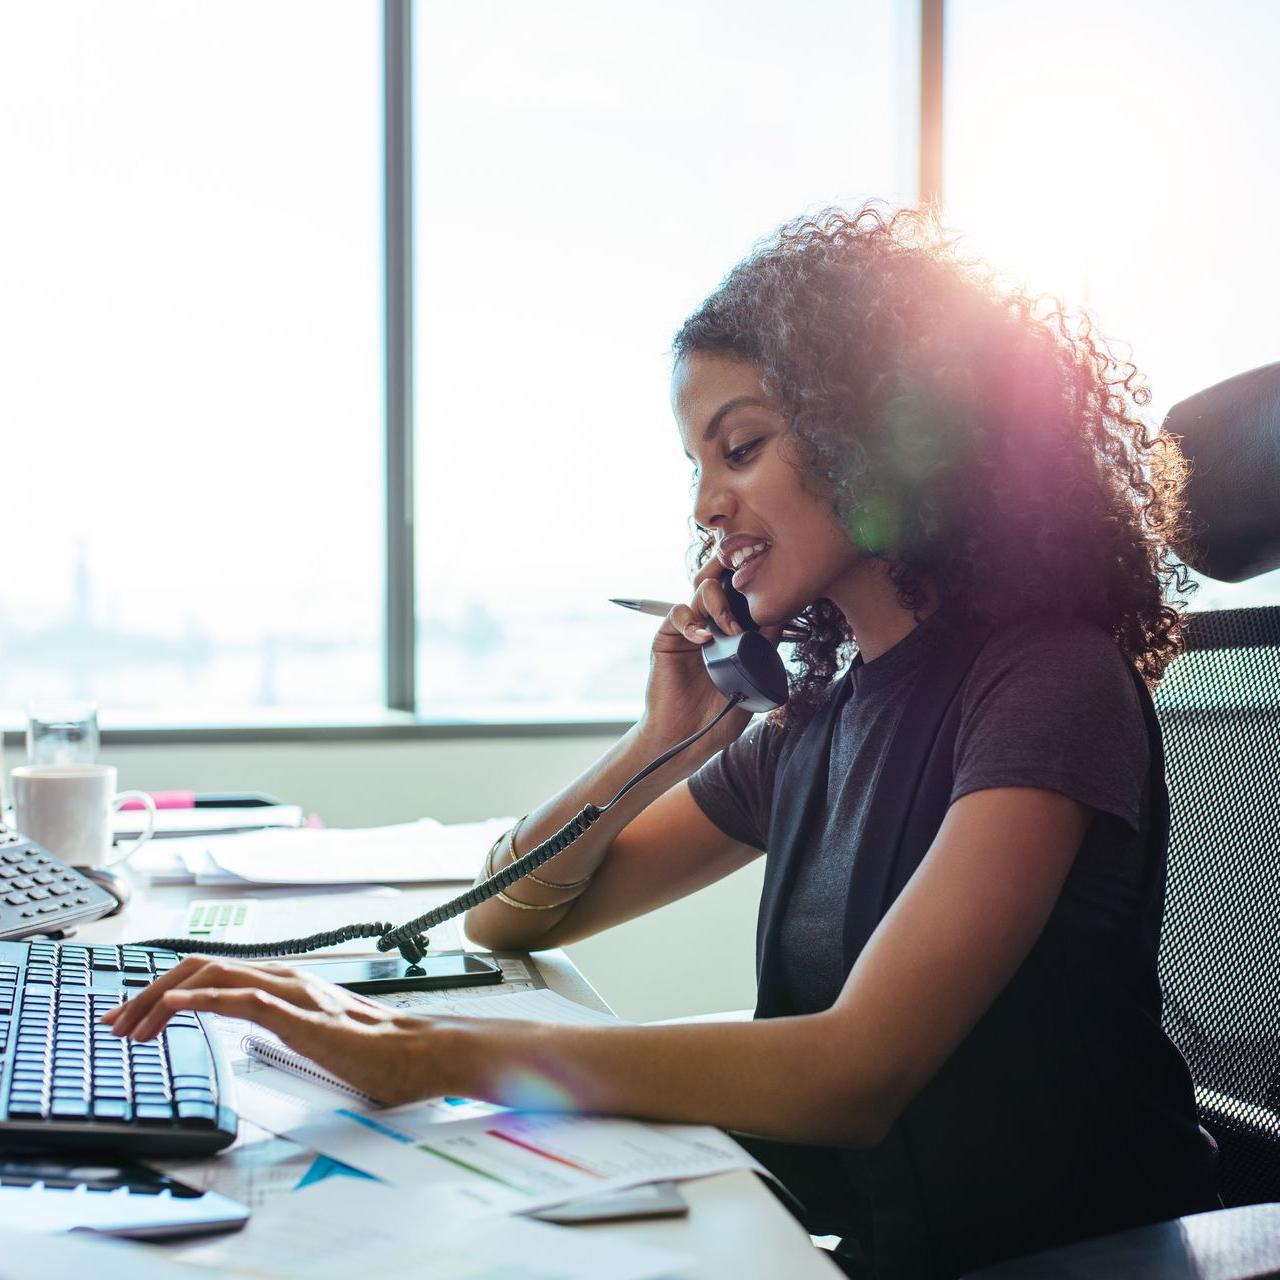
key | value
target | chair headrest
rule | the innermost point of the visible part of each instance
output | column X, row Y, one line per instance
column 1230, row 433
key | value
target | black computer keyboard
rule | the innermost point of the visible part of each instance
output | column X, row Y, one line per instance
column 68, row 1083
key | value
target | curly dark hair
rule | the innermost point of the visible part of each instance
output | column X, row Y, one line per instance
column 983, row 441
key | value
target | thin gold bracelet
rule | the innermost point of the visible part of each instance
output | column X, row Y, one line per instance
column 506, row 897
column 529, row 875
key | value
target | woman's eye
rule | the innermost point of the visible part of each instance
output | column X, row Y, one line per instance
column 743, row 451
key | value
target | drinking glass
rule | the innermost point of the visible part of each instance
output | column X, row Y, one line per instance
column 65, row 733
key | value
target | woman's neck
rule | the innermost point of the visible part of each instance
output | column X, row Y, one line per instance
column 869, row 601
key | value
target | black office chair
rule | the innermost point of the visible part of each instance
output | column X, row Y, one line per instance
column 1219, row 707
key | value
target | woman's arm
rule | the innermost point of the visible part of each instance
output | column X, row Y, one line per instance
column 655, row 847
column 635, row 863
column 954, row 938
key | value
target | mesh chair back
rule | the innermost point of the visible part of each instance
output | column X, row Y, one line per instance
column 1219, row 707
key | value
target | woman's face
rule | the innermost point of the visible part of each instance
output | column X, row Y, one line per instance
column 781, row 539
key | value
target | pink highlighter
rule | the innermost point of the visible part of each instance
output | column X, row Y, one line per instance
column 205, row 800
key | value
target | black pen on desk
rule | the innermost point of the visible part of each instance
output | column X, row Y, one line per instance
column 660, row 609
column 234, row 800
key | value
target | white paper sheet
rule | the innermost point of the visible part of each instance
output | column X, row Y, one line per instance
column 526, row 1005
column 24, row 1254
column 255, row 1170
column 424, row 852
column 346, row 1230
column 511, row 1161
column 275, row 914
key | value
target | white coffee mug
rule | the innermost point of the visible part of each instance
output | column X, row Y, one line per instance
column 67, row 809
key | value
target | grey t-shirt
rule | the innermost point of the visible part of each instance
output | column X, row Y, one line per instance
column 1046, row 705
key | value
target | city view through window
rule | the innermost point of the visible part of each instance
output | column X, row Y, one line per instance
column 191, row 316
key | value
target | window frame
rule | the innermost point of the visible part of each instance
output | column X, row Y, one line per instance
column 401, row 719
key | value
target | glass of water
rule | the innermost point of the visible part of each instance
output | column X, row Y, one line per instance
column 65, row 733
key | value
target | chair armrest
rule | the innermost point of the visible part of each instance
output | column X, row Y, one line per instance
column 1226, row 1244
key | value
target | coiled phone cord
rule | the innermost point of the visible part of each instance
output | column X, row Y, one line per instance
column 410, row 938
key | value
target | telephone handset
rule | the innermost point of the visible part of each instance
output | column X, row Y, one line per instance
column 745, row 664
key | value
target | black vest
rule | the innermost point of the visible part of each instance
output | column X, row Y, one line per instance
column 1065, row 1112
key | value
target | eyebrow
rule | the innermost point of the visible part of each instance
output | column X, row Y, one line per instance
column 727, row 408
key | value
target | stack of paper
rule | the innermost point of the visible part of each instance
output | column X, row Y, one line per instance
column 424, row 852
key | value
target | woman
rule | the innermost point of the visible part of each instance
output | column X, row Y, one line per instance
column 957, row 1055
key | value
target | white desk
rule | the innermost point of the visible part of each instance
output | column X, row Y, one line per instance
column 736, row 1229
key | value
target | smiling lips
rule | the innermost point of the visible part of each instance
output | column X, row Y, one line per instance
column 741, row 553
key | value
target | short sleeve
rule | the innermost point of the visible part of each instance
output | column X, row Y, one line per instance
column 735, row 788
column 1054, row 707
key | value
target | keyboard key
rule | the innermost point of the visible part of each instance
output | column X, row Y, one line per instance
column 198, row 1111
column 68, row 1108
column 188, row 1052
column 153, row 1112
column 111, row 1109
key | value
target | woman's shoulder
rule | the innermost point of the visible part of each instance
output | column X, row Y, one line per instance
column 1063, row 652
column 1054, row 704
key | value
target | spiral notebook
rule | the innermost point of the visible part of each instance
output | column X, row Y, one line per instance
column 274, row 1053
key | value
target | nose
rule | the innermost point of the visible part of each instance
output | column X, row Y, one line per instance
column 713, row 501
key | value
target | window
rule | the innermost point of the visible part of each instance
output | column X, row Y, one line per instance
column 1135, row 176
column 190, row 244
column 191, row 322
column 585, row 174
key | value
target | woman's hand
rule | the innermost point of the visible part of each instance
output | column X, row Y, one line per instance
column 387, row 1055
column 680, row 697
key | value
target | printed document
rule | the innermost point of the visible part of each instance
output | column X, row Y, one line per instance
column 311, row 1234
column 516, row 1161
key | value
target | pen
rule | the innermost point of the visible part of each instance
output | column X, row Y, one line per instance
column 660, row 609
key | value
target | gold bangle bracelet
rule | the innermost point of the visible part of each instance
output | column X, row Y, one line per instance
column 537, row 879
column 553, row 884
column 505, row 897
